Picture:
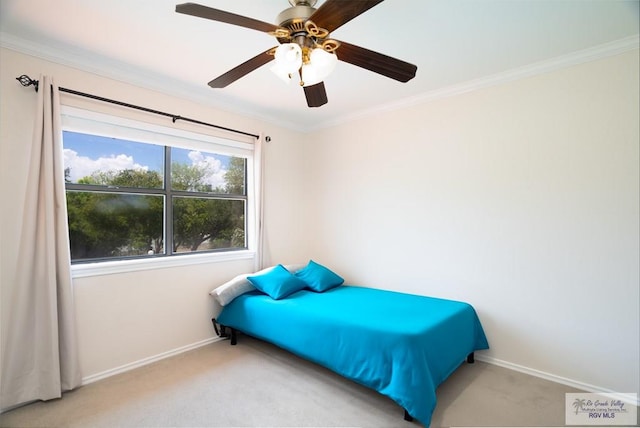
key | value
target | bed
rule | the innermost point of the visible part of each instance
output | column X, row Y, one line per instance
column 401, row 345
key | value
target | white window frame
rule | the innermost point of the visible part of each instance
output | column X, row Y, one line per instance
column 90, row 122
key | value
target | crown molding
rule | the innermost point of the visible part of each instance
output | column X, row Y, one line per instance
column 594, row 53
column 89, row 62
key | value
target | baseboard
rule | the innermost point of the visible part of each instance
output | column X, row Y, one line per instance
column 626, row 397
column 143, row 362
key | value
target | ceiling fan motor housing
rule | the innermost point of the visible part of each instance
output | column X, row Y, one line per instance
column 294, row 17
column 303, row 2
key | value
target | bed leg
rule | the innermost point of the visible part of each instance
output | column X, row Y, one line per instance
column 222, row 332
column 407, row 416
column 471, row 358
column 215, row 326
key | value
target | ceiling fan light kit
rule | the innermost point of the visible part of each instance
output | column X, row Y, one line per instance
column 321, row 63
column 306, row 52
column 288, row 60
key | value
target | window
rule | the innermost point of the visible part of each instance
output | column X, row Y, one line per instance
column 140, row 191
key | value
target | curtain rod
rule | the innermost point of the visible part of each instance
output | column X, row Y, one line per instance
column 27, row 81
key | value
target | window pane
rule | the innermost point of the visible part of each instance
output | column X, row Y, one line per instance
column 105, row 224
column 197, row 171
column 201, row 224
column 91, row 159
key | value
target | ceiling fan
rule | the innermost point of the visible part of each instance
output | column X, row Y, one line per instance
column 306, row 50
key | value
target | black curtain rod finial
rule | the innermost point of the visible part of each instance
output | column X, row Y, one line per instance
column 27, row 81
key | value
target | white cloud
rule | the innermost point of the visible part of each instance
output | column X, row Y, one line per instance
column 82, row 166
column 213, row 165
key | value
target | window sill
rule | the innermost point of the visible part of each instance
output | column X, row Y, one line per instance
column 124, row 266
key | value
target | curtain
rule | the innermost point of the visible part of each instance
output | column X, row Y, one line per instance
column 259, row 205
column 39, row 355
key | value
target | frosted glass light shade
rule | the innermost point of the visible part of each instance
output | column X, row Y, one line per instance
column 288, row 57
column 282, row 73
column 324, row 60
column 321, row 64
column 310, row 75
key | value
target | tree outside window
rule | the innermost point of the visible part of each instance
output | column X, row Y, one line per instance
column 123, row 201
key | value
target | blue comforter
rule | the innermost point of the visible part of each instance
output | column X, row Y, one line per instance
column 401, row 345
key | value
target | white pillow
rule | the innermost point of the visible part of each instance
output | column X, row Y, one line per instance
column 239, row 285
column 232, row 289
column 294, row 267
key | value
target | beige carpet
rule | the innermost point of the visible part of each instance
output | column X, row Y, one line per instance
column 256, row 384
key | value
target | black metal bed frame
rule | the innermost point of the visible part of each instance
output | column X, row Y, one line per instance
column 232, row 335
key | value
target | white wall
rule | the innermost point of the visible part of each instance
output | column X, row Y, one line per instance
column 127, row 318
column 521, row 199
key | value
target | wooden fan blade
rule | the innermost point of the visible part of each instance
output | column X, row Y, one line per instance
column 376, row 62
column 241, row 70
column 334, row 13
column 316, row 95
column 226, row 17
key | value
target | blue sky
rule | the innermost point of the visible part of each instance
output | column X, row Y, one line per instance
column 84, row 154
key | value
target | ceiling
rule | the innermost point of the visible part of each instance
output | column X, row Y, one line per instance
column 452, row 42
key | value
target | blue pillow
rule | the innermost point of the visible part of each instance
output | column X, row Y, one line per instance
column 319, row 278
column 277, row 282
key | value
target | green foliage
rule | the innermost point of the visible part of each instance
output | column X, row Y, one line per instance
column 235, row 176
column 106, row 224
column 199, row 220
column 125, row 178
column 189, row 178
